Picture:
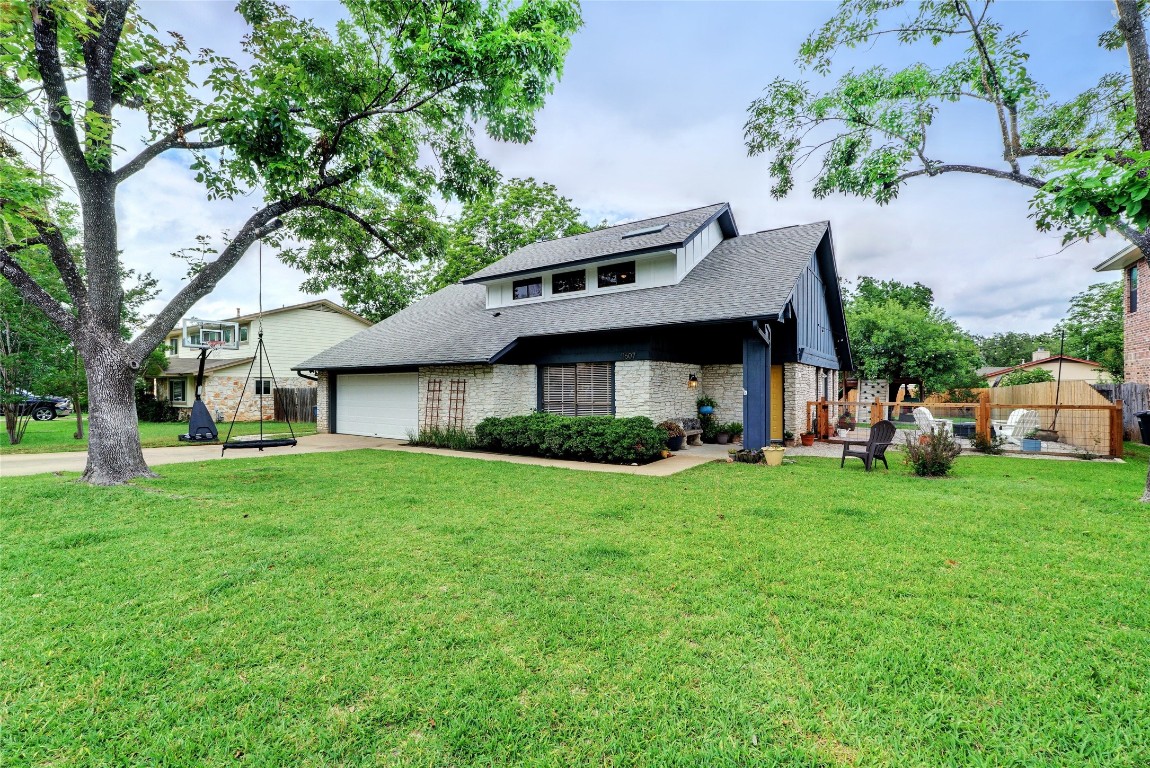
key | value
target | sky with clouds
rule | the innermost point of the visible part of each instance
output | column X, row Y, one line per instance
column 648, row 119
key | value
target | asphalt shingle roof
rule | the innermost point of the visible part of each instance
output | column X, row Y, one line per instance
column 182, row 366
column 601, row 243
column 750, row 276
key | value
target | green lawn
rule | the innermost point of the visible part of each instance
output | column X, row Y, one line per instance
column 57, row 435
column 379, row 608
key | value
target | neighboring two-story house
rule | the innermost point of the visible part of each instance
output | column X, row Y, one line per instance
column 1136, row 287
column 636, row 319
column 291, row 335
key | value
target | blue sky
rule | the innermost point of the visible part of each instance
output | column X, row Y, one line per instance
column 648, row 119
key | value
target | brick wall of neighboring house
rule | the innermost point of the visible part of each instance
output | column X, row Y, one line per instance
column 1137, row 326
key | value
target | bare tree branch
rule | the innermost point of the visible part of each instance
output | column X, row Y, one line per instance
column 176, row 139
column 53, row 239
column 1134, row 33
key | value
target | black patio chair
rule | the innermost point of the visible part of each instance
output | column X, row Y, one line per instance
column 881, row 435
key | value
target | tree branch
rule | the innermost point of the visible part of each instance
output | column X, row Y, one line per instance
column 56, row 87
column 32, row 291
column 935, row 170
column 177, row 139
column 1134, row 33
column 261, row 224
column 52, row 238
column 99, row 51
column 367, row 226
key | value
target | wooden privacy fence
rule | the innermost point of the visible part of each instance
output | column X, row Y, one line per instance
column 1134, row 397
column 1094, row 427
column 295, row 404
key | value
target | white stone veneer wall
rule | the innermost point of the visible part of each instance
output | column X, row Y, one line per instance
column 724, row 383
column 800, row 382
column 491, row 390
column 655, row 388
column 322, row 422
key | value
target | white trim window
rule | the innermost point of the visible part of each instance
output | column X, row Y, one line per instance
column 578, row 389
column 177, row 391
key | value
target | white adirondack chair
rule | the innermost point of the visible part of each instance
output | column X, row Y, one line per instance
column 1017, row 425
column 927, row 423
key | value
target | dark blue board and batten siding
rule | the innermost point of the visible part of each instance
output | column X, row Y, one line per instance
column 814, row 333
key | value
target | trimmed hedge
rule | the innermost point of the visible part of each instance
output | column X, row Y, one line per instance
column 603, row 439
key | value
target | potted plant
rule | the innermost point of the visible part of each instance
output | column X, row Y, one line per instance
column 675, row 435
column 773, row 455
column 845, row 423
column 735, row 430
column 706, row 405
column 722, row 437
column 1031, row 443
column 788, row 438
column 807, row 438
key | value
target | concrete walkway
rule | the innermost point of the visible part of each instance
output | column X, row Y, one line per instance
column 74, row 461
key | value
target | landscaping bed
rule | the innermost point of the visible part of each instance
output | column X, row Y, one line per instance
column 379, row 607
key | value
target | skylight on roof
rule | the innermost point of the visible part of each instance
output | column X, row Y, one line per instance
column 643, row 231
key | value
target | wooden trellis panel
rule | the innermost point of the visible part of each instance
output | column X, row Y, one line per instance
column 457, row 397
column 431, row 403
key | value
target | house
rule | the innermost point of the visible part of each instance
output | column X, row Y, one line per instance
column 636, row 319
column 1136, row 339
column 291, row 334
column 1060, row 366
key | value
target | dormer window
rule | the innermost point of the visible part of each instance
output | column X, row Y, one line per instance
column 569, row 282
column 531, row 288
column 617, row 274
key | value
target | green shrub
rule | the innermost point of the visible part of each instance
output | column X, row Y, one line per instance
column 732, row 428
column 582, row 438
column 1026, row 376
column 151, row 408
column 934, row 456
column 990, row 445
column 443, row 437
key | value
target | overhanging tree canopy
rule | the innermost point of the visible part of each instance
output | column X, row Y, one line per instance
column 356, row 130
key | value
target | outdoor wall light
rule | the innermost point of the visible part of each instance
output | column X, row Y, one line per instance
column 692, row 381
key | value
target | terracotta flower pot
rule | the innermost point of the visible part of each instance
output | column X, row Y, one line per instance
column 807, row 440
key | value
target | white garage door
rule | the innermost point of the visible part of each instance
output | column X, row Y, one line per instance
column 376, row 404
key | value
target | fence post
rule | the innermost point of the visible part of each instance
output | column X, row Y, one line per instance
column 982, row 416
column 824, row 418
column 1117, row 432
column 875, row 411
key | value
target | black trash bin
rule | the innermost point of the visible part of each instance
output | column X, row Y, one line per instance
column 1144, row 426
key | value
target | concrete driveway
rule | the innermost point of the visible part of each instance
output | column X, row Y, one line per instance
column 74, row 461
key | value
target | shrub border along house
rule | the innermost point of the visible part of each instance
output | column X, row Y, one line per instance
column 604, row 439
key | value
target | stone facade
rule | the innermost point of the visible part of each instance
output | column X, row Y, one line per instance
column 322, row 420
column 800, row 385
column 1137, row 326
column 724, row 383
column 488, row 390
column 655, row 388
column 222, row 394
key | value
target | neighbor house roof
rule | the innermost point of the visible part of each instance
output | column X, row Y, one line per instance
column 1120, row 260
column 1032, row 363
column 314, row 305
column 669, row 232
column 183, row 366
column 746, row 277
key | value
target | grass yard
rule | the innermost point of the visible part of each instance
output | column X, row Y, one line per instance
column 379, row 608
column 56, row 435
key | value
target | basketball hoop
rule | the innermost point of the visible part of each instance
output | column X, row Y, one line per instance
column 211, row 334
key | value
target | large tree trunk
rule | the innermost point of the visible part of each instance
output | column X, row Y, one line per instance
column 114, row 452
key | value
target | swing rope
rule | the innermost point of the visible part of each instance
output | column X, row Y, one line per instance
column 261, row 355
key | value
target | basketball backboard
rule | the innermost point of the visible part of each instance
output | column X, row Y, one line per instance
column 210, row 334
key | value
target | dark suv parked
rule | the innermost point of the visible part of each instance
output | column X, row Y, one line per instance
column 42, row 408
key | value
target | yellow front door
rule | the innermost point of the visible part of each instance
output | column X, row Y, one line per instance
column 777, row 403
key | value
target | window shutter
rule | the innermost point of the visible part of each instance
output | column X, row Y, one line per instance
column 583, row 389
column 594, row 389
column 559, row 389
